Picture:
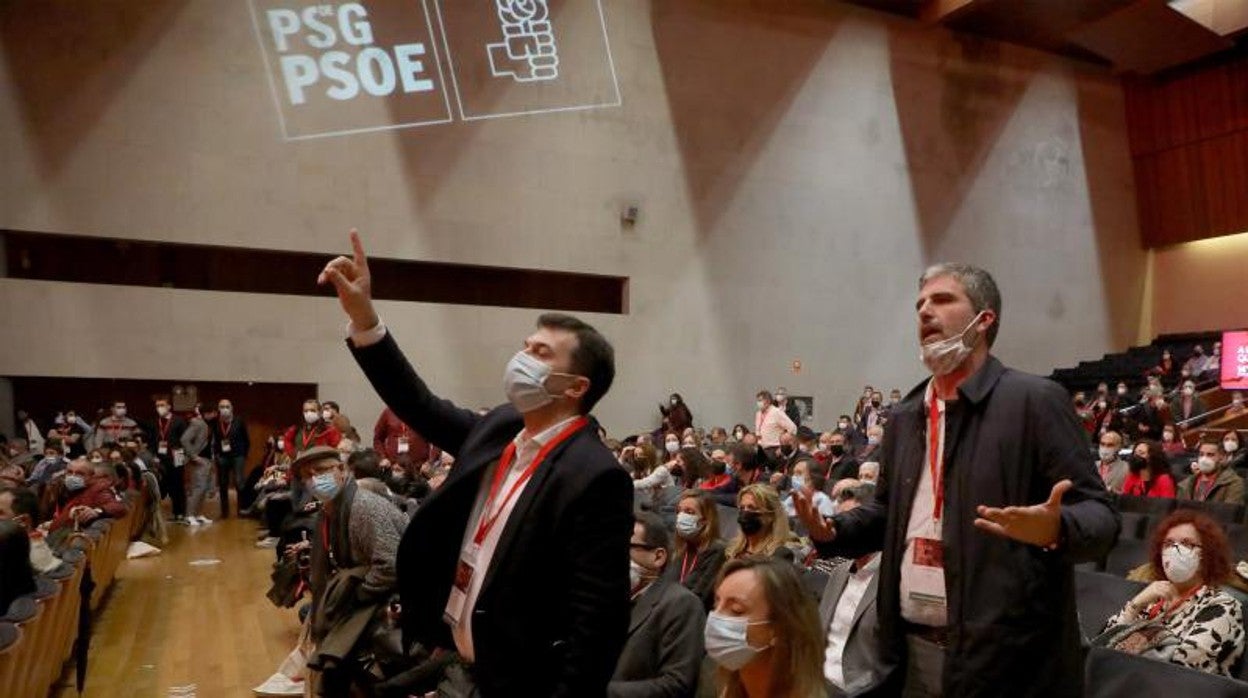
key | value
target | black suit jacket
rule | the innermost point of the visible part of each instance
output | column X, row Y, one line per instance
column 665, row 647
column 704, row 569
column 553, row 609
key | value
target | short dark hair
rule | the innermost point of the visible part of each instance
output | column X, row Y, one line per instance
column 365, row 463
column 25, row 501
column 593, row 357
column 331, row 405
column 744, row 455
column 653, row 531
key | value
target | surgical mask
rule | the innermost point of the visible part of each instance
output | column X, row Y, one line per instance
column 942, row 357
column 97, row 460
column 119, row 412
column 1188, row 390
column 73, row 483
column 798, row 482
column 727, row 643
column 738, row 435
column 327, row 415
column 1230, row 445
column 873, row 440
column 1180, row 562
column 524, row 382
column 1122, row 390
column 675, row 402
column 324, row 486
column 842, row 425
column 226, row 412
column 71, row 419
column 1107, row 453
column 1167, row 436
column 751, row 522
column 1206, row 465
column 162, row 410
column 671, row 446
column 311, row 416
column 638, row 573
column 761, row 404
column 688, row 525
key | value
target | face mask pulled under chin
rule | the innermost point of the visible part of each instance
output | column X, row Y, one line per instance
column 524, row 382
column 942, row 357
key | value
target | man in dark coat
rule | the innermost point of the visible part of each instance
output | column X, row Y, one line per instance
column 518, row 560
column 976, row 592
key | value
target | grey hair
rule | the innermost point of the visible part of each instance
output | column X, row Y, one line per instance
column 979, row 285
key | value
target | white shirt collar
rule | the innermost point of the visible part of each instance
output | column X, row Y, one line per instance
column 542, row 438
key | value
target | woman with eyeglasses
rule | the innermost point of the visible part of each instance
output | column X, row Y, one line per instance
column 1184, row 618
column 764, row 633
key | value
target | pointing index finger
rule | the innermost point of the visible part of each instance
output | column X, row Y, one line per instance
column 358, row 248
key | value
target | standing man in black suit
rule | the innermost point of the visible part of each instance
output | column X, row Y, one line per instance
column 167, row 432
column 518, row 560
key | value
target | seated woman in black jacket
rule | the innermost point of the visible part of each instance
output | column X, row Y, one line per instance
column 699, row 552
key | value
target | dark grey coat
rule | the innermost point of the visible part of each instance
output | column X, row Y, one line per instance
column 1013, row 626
column 664, row 649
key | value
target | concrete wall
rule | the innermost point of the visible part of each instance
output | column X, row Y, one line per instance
column 796, row 164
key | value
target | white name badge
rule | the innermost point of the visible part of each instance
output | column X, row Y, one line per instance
column 281, row 444
column 404, row 445
column 179, row 457
column 225, row 447
column 163, row 448
column 458, row 600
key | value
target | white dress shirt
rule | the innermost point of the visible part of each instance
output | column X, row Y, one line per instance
column 526, row 451
column 923, row 597
column 843, row 621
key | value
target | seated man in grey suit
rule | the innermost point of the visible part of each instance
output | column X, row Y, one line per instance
column 664, row 649
column 852, row 662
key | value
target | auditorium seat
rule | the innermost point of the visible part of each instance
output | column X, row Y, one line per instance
column 1225, row 512
column 1134, row 525
column 1112, row 674
column 11, row 652
column 1154, row 507
column 728, row 526
column 1098, row 596
column 1125, row 556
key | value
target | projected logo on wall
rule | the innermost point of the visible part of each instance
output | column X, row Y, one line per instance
column 344, row 68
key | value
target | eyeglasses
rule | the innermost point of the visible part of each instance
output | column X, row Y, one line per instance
column 1179, row 544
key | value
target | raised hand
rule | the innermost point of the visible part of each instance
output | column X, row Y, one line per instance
column 817, row 527
column 1038, row 524
column 354, row 285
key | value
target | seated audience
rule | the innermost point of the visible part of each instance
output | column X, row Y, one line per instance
column 1196, row 362
column 352, row 566
column 869, row 472
column 744, row 467
column 88, row 495
column 802, row 479
column 853, row 662
column 1148, row 472
column 650, row 475
column 764, row 632
column 1171, row 444
column 52, row 464
column 12, row 476
column 840, row 463
column 314, row 431
column 1236, row 408
column 17, row 578
column 663, row 652
column 1212, row 481
column 719, row 479
column 699, row 552
column 22, row 507
column 1187, row 405
column 1234, row 450
column 1185, row 618
column 875, row 437
column 691, row 465
column 764, row 526
column 1113, row 469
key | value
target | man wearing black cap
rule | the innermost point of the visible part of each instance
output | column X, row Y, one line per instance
column 518, row 560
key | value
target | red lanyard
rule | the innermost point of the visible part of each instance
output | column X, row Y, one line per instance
column 1160, row 606
column 224, row 427
column 307, row 438
column 489, row 514
column 1204, row 485
column 686, row 566
column 164, row 431
column 935, row 459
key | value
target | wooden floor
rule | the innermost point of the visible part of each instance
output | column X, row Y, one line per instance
column 168, row 624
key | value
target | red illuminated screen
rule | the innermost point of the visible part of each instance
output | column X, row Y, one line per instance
column 1235, row 360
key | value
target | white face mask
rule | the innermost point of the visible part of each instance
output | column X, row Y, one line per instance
column 671, row 446
column 226, row 412
column 119, row 412
column 761, row 404
column 1206, row 465
column 1230, row 445
column 1108, row 453
column 942, row 357
column 688, row 525
column 1180, row 562
column 726, row 641
column 524, row 382
column 162, row 410
column 1188, row 390
column 311, row 416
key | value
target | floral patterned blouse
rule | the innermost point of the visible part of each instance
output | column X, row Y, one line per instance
column 1209, row 627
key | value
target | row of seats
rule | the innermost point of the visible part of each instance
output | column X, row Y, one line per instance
column 37, row 635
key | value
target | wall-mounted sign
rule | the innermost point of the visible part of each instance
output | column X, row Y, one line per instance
column 353, row 67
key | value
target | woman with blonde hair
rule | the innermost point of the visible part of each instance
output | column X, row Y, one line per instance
column 699, row 553
column 764, row 632
column 764, row 525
